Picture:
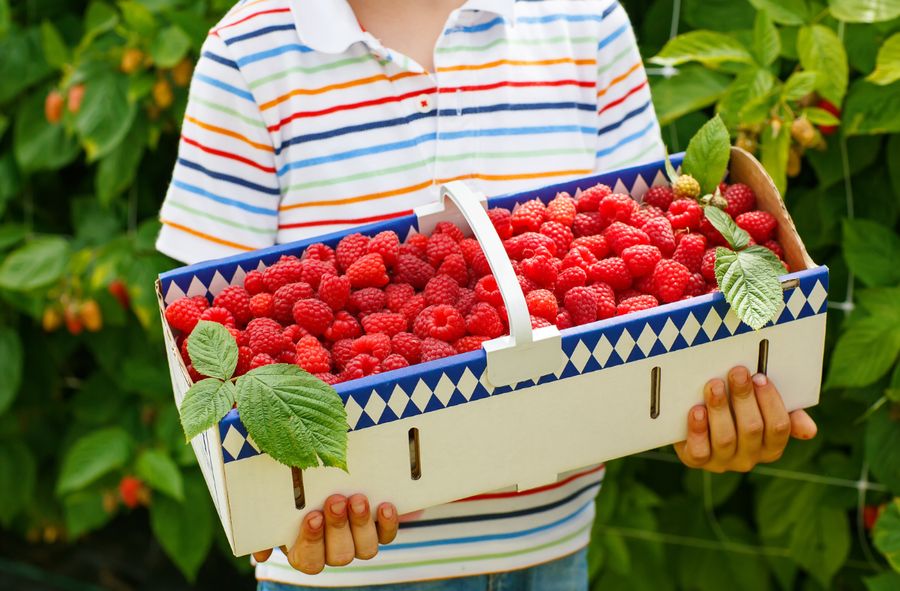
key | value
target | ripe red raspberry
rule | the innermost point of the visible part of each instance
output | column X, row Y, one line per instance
column 562, row 209
column 413, row 307
column 195, row 375
column 389, row 323
column 486, row 290
column 342, row 353
column 528, row 216
column 759, row 224
column 484, row 320
column 360, row 367
column 183, row 314
column 690, row 250
column 270, row 341
column 525, row 245
column 641, row 259
column 394, row 361
column 636, row 304
column 620, row 236
column 526, row 284
column 295, row 332
column 578, row 257
column 538, row 322
column 470, row 248
column 287, row 270
column 740, row 199
column 377, row 345
column 261, row 359
column 368, row 271
column 439, row 247
column 200, row 302
column 443, row 322
column 334, row 290
column 685, row 214
column 413, row 270
column 313, row 315
column 320, row 252
column 612, row 271
column 245, row 356
column 587, row 223
column 350, row 249
column 131, row 491
column 569, row 278
column 696, row 286
column 254, row 283
column 606, row 300
column 396, row 294
column 312, row 271
column 286, row 297
column 469, row 343
column 262, row 324
column 713, row 236
column 669, row 280
column 312, row 356
column 465, row 300
column 540, row 270
column 441, row 290
column 589, row 199
column 661, row 197
column 415, row 244
column 542, row 303
column 596, row 244
column 628, row 293
column 500, row 218
column 644, row 215
column 262, row 305
column 436, row 349
column 581, row 303
column 708, row 265
column 450, row 229
column 328, row 377
column 564, row 320
column 659, row 231
column 387, row 244
column 775, row 247
column 220, row 315
column 236, row 300
column 617, row 208
column 560, row 234
column 455, row 267
column 345, row 326
column 408, row 345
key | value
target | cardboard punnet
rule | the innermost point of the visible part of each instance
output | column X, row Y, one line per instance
column 527, row 407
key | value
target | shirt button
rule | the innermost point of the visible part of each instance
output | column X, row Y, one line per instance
column 423, row 103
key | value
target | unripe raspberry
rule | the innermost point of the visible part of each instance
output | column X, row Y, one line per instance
column 686, row 187
column 803, row 132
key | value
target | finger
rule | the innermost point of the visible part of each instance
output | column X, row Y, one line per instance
column 748, row 419
column 722, row 435
column 695, row 450
column 802, row 425
column 308, row 553
column 262, row 555
column 339, row 550
column 775, row 418
column 387, row 523
column 362, row 527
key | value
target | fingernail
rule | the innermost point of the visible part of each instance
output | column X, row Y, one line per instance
column 698, row 414
column 339, row 508
column 315, row 521
column 739, row 377
column 760, row 379
column 718, row 392
column 358, row 506
column 387, row 512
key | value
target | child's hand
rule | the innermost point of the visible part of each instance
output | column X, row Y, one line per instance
column 345, row 529
column 753, row 428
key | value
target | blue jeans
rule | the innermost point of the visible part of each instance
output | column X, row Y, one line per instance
column 566, row 574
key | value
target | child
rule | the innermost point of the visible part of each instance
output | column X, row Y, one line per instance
column 312, row 116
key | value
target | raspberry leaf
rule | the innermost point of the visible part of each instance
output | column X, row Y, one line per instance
column 294, row 417
column 204, row 404
column 737, row 237
column 706, row 157
column 212, row 350
column 670, row 170
column 749, row 281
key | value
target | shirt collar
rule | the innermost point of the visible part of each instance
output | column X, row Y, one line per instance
column 331, row 27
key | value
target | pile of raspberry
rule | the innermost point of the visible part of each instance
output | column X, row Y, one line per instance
column 373, row 304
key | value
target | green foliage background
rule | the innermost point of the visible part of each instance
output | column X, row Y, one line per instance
column 78, row 202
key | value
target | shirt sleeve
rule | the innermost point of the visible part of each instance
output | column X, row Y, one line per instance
column 628, row 132
column 224, row 195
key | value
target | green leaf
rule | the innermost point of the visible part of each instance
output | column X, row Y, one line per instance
column 887, row 66
column 774, row 149
column 749, row 281
column 864, row 352
column 184, row 529
column 293, row 417
column 55, row 51
column 798, row 85
column 39, row 145
column 886, row 534
column 5, row 18
column 17, row 479
column 693, row 87
column 92, row 456
column 170, row 46
column 872, row 252
column 871, row 109
column 821, row 544
column 138, row 17
column 819, row 116
column 11, row 364
column 864, row 11
column 886, row 581
column 159, row 471
column 37, row 264
column 212, row 350
column 11, row 234
column 750, row 86
column 99, row 18
column 204, row 405
column 882, row 448
column 821, row 51
column 784, row 12
column 106, row 114
column 84, row 512
column 117, row 170
column 706, row 47
column 737, row 238
column 21, row 62
column 706, row 158
column 10, row 180
column 766, row 42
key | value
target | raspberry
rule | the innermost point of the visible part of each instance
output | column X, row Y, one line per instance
column 589, row 200
column 450, row 229
column 538, row 322
column 669, row 280
column 659, row 231
column 441, row 290
column 408, row 345
column 562, row 209
column 441, row 322
column 759, row 224
column 350, row 249
column 617, row 208
column 606, row 300
column 360, row 367
column 254, row 283
column 469, row 344
column 345, row 326
column 708, row 265
column 587, row 224
column 236, row 300
column 620, row 236
column 342, row 353
column 440, row 246
column 597, row 244
column 542, row 303
column 740, row 199
column 413, row 270
column 394, row 361
column 220, row 315
column 484, row 320
column 415, row 245
column 328, row 378
column 569, row 278
column 366, row 301
column 396, row 294
column 713, row 236
column 581, row 303
column 245, row 356
column 579, row 257
column 500, row 218
column 685, row 214
column 286, row 297
column 486, row 290
column 696, row 286
column 528, row 217
column 269, row 341
column 636, row 304
column 413, row 307
column 334, row 290
column 262, row 324
column 641, row 259
column 312, row 271
column 775, row 247
column 377, row 345
column 295, row 332
column 286, row 356
column 690, row 251
column 388, row 323
column 313, row 315
column 563, row 320
column 320, row 252
column 195, row 375
column 200, row 302
column 686, row 187
column 262, row 305
column 660, row 197
column 560, row 234
column 526, row 284
column 368, row 271
column 183, row 314
column 525, row 245
column 465, row 300
column 470, row 249
column 612, row 271
column 642, row 216
column 312, row 356
column 455, row 267
column 435, row 349
column 285, row 271
column 387, row 244
column 540, row 270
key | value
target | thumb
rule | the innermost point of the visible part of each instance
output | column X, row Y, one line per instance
column 802, row 425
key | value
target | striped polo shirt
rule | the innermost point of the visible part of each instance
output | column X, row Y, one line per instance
column 300, row 122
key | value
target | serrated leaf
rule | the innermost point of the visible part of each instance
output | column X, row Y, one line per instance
column 886, row 534
column 821, row 543
column 864, row 352
column 821, row 51
column 692, row 87
column 766, row 42
column 784, row 12
column 871, row 109
column 159, row 471
column 882, row 448
column 706, row 47
column 864, row 11
column 706, row 158
column 212, row 350
column 749, row 281
column 184, row 529
column 170, row 46
column 872, row 252
column 204, row 405
column 819, row 116
column 752, row 86
column 670, row 170
column 737, row 237
column 35, row 265
column 92, row 456
column 294, row 417
column 138, row 17
column 798, row 85
column 887, row 65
